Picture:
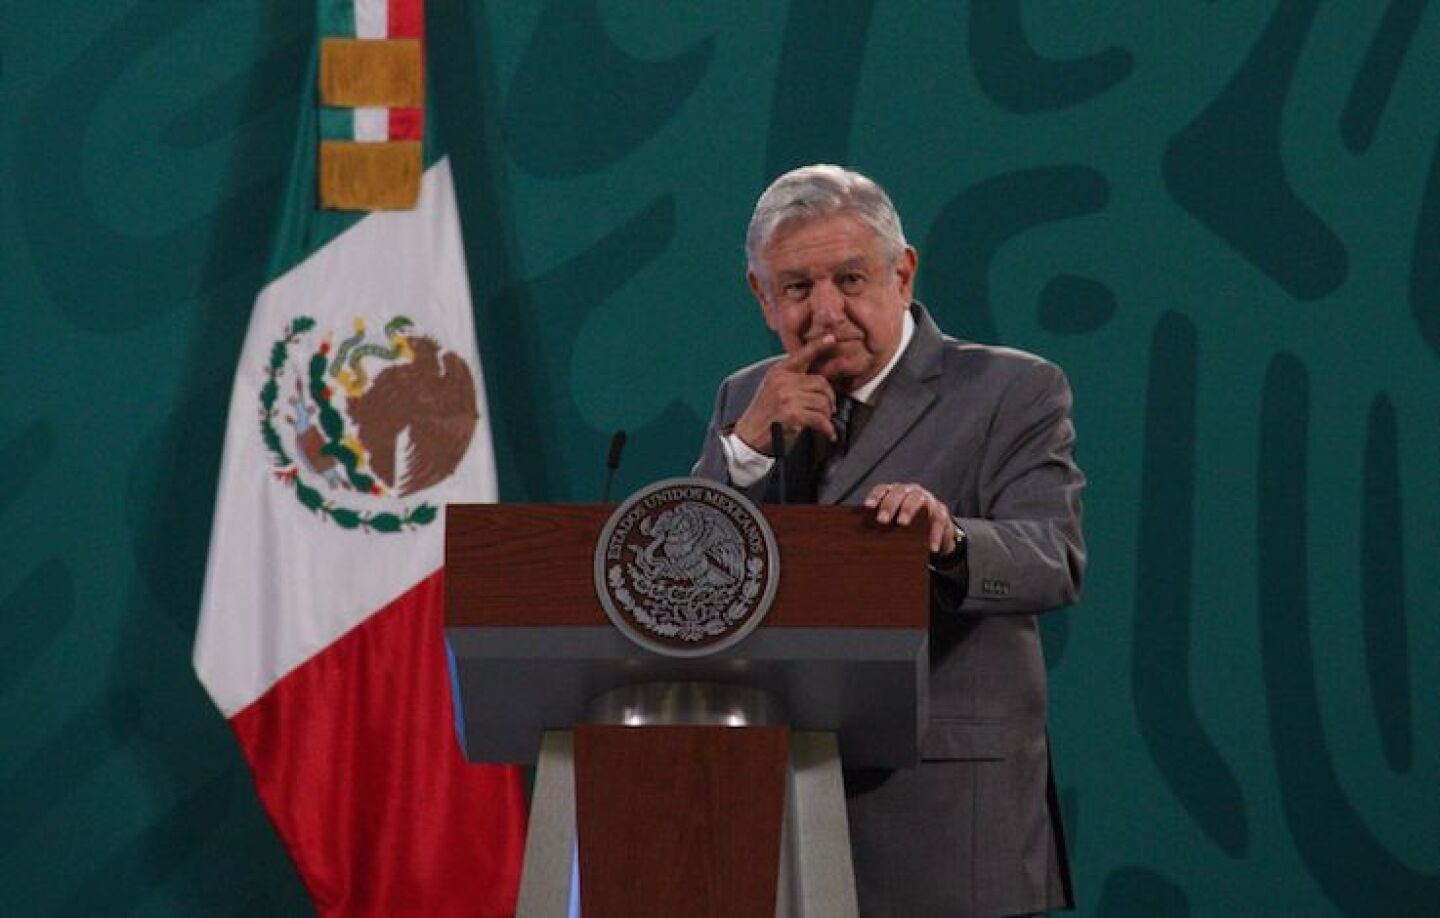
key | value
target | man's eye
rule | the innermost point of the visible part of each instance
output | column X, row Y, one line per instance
column 852, row 281
column 796, row 290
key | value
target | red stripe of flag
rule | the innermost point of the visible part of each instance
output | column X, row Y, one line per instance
column 407, row 20
column 355, row 758
column 407, row 123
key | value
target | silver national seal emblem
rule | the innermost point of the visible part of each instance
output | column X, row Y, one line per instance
column 686, row 567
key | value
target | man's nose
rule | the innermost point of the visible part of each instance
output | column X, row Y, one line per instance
column 827, row 304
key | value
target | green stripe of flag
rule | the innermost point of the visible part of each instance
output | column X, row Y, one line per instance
column 336, row 18
column 337, row 123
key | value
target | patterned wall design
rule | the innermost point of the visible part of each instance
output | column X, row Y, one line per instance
column 1222, row 218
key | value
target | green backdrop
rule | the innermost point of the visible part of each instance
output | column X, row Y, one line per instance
column 1222, row 218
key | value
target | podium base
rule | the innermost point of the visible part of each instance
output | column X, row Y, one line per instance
column 815, row 872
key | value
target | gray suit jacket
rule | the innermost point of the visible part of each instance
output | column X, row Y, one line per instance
column 975, row 828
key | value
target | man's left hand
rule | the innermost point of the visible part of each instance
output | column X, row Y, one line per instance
column 902, row 503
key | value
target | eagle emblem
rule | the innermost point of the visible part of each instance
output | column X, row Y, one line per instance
column 357, row 424
column 686, row 567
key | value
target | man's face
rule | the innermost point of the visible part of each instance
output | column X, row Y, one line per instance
column 830, row 276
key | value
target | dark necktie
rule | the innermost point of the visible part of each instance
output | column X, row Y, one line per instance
column 843, row 418
column 849, row 418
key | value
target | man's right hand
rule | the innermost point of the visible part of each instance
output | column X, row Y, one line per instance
column 792, row 395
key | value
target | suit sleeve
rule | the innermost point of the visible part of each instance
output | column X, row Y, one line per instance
column 1026, row 552
column 712, row 463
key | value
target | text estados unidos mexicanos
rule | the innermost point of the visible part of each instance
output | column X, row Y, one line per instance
column 755, row 542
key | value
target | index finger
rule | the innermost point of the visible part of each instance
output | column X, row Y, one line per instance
column 802, row 359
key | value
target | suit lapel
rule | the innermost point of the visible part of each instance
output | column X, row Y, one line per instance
column 905, row 397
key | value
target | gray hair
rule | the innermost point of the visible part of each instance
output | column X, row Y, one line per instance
column 811, row 192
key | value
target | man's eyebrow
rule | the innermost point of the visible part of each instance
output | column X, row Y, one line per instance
column 783, row 275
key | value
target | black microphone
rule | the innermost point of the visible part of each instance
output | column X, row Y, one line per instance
column 612, row 463
column 777, row 447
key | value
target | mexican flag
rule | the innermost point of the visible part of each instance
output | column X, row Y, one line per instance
column 358, row 412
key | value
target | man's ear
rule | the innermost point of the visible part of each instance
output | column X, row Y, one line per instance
column 757, row 287
column 905, row 267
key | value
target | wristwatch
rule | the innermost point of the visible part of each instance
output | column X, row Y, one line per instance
column 956, row 556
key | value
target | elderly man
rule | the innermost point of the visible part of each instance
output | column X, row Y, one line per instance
column 971, row 442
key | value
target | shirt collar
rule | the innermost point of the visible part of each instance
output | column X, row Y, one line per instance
column 866, row 393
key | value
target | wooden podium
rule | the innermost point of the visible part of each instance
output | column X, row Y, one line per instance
column 698, row 786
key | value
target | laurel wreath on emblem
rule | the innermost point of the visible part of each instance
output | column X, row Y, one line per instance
column 359, row 455
column 693, row 578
